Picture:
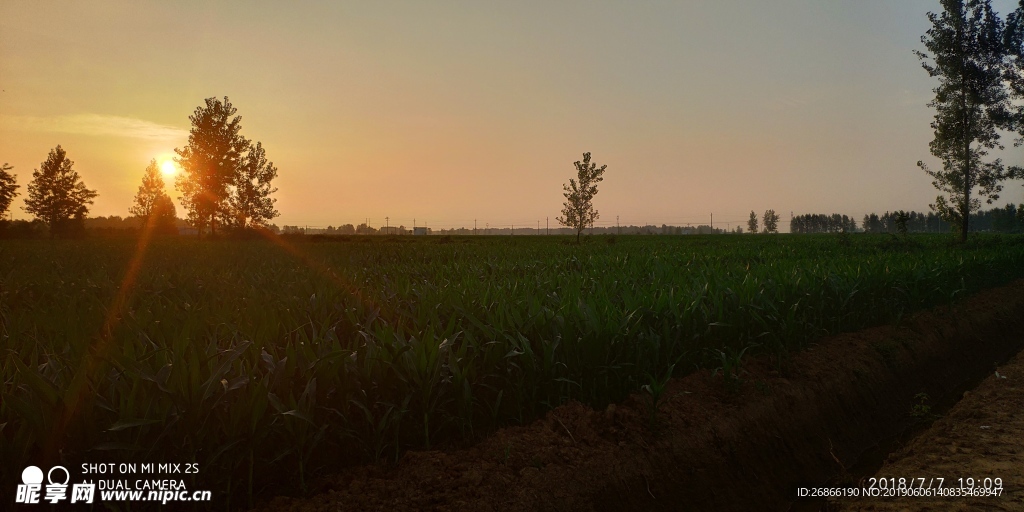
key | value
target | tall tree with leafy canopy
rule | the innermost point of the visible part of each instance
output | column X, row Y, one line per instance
column 771, row 221
column 752, row 223
column 578, row 210
column 8, row 188
column 210, row 162
column 967, row 53
column 250, row 203
column 57, row 195
column 152, row 204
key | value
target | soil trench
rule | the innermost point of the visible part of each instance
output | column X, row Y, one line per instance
column 710, row 448
column 977, row 444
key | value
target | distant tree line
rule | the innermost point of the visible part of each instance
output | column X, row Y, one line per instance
column 818, row 223
column 344, row 229
column 647, row 229
column 1008, row 219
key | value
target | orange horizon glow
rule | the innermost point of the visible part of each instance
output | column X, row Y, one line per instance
column 440, row 115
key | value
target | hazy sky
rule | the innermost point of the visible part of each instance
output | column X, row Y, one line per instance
column 452, row 111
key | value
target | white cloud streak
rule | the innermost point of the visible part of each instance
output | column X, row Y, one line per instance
column 97, row 125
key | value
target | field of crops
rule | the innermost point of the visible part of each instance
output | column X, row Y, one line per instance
column 266, row 361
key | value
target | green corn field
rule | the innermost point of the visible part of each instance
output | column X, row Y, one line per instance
column 268, row 362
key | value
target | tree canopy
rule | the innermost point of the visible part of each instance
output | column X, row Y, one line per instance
column 967, row 53
column 57, row 195
column 8, row 188
column 771, row 221
column 211, row 163
column 250, row 203
column 578, row 211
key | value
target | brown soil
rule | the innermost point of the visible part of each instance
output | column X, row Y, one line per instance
column 711, row 448
column 981, row 437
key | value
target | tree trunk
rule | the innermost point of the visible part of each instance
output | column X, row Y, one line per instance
column 966, row 207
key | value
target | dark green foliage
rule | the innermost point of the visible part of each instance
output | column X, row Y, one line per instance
column 997, row 219
column 816, row 223
column 771, row 221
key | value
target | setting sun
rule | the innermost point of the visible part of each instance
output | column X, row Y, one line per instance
column 168, row 168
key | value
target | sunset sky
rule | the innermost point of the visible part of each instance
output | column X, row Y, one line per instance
column 446, row 112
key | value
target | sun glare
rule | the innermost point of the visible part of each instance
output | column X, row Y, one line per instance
column 168, row 168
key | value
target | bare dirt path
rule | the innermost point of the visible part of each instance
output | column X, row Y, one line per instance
column 981, row 437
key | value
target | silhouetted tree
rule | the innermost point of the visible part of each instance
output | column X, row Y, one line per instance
column 57, row 195
column 578, row 210
column 752, row 223
column 210, row 162
column 900, row 220
column 250, row 203
column 152, row 204
column 771, row 221
column 8, row 188
column 967, row 53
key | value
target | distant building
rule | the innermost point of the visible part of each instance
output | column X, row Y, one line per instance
column 419, row 231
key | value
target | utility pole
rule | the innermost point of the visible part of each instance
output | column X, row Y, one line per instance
column 387, row 224
column 712, row 223
column 538, row 226
column 546, row 226
column 487, row 228
column 474, row 226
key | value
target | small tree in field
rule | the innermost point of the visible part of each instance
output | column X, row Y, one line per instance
column 8, row 188
column 752, row 223
column 578, row 210
column 771, row 221
column 57, row 195
column 152, row 204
